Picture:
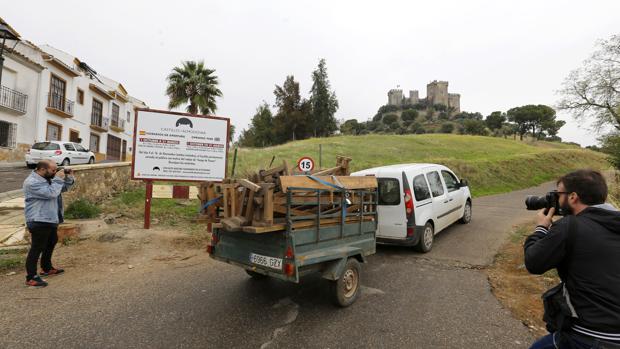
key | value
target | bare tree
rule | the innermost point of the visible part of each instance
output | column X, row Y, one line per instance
column 594, row 89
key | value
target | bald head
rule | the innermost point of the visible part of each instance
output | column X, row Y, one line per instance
column 46, row 168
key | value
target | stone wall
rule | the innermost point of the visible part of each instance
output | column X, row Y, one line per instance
column 100, row 181
column 14, row 155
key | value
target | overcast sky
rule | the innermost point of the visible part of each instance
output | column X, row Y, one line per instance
column 496, row 54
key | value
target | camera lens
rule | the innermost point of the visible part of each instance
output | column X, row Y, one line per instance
column 534, row 203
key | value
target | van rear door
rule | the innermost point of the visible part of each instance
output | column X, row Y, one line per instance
column 391, row 210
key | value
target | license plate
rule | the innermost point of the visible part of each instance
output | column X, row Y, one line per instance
column 269, row 262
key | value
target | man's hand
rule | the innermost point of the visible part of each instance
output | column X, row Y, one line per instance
column 545, row 220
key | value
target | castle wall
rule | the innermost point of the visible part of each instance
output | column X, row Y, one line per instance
column 454, row 101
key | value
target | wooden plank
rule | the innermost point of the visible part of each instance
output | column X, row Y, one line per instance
column 361, row 182
column 233, row 223
column 249, row 208
column 267, row 203
column 328, row 171
column 241, row 205
column 249, row 185
column 300, row 225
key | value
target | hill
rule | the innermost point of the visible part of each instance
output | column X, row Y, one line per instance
column 492, row 165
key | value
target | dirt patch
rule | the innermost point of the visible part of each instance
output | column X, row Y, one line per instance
column 517, row 289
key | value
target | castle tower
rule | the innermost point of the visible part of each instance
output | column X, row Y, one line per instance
column 454, row 102
column 437, row 93
column 395, row 97
column 414, row 97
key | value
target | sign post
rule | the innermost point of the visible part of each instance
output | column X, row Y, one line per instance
column 169, row 146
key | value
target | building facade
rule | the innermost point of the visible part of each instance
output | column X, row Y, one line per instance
column 66, row 100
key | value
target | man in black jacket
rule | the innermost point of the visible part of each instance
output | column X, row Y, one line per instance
column 587, row 261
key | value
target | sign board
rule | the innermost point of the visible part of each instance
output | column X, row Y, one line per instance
column 179, row 147
column 305, row 164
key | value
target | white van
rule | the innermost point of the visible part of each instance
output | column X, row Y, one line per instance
column 417, row 201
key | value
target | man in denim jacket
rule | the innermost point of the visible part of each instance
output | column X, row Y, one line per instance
column 44, row 211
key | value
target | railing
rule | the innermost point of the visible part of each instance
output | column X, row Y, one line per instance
column 57, row 102
column 118, row 123
column 100, row 122
column 13, row 100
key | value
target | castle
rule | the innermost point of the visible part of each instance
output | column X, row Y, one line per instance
column 436, row 93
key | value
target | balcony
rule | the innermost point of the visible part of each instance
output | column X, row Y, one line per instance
column 57, row 104
column 99, row 123
column 117, row 125
column 13, row 100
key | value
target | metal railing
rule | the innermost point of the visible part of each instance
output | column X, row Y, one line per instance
column 58, row 102
column 100, row 121
column 120, row 123
column 12, row 99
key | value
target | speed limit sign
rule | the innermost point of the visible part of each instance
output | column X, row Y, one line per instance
column 305, row 164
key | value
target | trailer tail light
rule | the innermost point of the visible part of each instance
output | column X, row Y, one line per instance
column 58, row 152
column 410, row 231
column 211, row 245
column 289, row 253
column 289, row 269
column 408, row 203
column 210, row 249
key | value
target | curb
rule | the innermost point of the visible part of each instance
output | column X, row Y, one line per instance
column 11, row 195
column 12, row 164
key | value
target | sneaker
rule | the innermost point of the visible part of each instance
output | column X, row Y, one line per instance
column 52, row 271
column 36, row 282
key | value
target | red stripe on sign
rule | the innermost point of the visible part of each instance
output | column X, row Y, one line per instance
column 180, row 192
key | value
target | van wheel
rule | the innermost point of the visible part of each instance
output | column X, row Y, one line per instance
column 65, row 162
column 91, row 160
column 346, row 289
column 467, row 213
column 255, row 275
column 427, row 238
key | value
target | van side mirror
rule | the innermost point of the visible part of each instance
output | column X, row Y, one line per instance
column 463, row 183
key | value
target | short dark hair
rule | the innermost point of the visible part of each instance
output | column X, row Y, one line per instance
column 43, row 165
column 590, row 185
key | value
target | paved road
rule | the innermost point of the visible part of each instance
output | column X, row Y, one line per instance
column 437, row 300
column 13, row 178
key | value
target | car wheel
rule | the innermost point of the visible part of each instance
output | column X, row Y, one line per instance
column 91, row 160
column 255, row 275
column 427, row 238
column 346, row 289
column 467, row 213
column 65, row 162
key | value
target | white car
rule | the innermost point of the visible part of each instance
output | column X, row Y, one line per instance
column 63, row 153
column 417, row 201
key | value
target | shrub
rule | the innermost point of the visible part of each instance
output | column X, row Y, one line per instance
column 409, row 115
column 446, row 128
column 611, row 145
column 82, row 208
column 390, row 119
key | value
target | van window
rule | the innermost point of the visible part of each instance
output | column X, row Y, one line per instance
column 420, row 188
column 389, row 191
column 451, row 183
column 435, row 181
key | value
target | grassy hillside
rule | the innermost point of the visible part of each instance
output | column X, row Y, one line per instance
column 492, row 165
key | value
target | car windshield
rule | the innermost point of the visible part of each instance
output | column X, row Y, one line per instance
column 45, row 146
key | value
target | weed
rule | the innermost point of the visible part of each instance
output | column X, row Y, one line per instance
column 82, row 208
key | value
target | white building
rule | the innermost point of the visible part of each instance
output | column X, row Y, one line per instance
column 70, row 101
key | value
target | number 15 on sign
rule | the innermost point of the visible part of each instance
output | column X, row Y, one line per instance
column 305, row 164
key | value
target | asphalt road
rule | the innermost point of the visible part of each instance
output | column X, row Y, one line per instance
column 13, row 178
column 437, row 300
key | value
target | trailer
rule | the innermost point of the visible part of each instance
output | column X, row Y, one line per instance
column 327, row 229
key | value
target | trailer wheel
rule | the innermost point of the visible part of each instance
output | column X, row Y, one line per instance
column 346, row 289
column 255, row 275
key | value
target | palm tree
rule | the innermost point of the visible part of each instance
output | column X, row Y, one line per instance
column 195, row 85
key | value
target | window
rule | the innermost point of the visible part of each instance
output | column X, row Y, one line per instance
column 45, row 146
column 435, row 181
column 57, row 93
column 94, row 143
column 69, row 147
column 451, row 183
column 80, row 96
column 420, row 188
column 54, row 131
column 128, row 116
column 96, row 117
column 115, row 114
column 79, row 147
column 74, row 136
column 8, row 133
column 389, row 191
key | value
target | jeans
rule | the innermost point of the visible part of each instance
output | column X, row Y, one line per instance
column 44, row 239
column 572, row 340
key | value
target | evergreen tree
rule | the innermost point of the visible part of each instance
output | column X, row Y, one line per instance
column 292, row 119
column 323, row 103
